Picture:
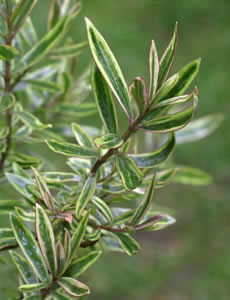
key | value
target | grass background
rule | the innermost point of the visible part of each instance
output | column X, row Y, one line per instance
column 190, row 260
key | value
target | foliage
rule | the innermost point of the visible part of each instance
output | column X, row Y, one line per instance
column 108, row 194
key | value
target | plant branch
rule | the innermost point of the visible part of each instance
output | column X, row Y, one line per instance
column 107, row 228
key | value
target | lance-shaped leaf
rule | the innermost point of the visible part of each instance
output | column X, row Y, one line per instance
column 22, row 10
column 149, row 222
column 154, row 67
column 104, row 208
column 82, row 137
column 199, row 129
column 160, row 224
column 149, row 160
column 33, row 297
column 109, row 67
column 24, row 215
column 45, row 85
column 33, row 287
column 86, row 194
column 58, row 177
column 129, row 245
column 29, row 33
column 104, row 101
column 73, row 287
column 7, row 238
column 32, row 121
column 144, row 204
column 7, row 206
column 61, row 258
column 167, row 58
column 80, row 265
column 69, row 149
column 42, row 48
column 193, row 176
column 7, row 52
column 23, row 268
column 29, row 248
column 6, row 101
column 138, row 92
column 170, row 122
column 81, row 110
column 68, row 51
column 78, row 236
column 46, row 239
column 130, row 174
column 109, row 141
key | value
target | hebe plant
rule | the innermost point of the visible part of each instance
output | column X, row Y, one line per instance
column 107, row 196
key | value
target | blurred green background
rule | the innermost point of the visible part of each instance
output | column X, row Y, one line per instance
column 190, row 260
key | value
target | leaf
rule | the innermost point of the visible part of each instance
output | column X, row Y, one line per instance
column 109, row 67
column 149, row 222
column 61, row 258
column 167, row 58
column 7, row 206
column 28, row 32
column 68, row 51
column 46, row 239
column 23, row 268
column 138, row 92
column 28, row 288
column 131, row 176
column 149, row 160
column 81, row 110
column 8, row 53
column 199, row 129
column 32, row 121
column 104, row 208
column 24, row 215
column 29, row 248
column 6, row 234
column 19, row 15
column 164, row 91
column 45, row 85
column 42, row 48
column 162, row 224
column 6, row 101
column 59, row 177
column 73, row 287
column 82, row 137
column 154, row 67
column 86, row 194
column 80, row 265
column 192, row 176
column 69, row 149
column 144, row 205
column 129, row 245
column 104, row 101
column 109, row 141
column 78, row 236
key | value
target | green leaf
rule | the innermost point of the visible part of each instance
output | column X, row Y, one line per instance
column 86, row 194
column 164, row 91
column 45, row 85
column 78, row 236
column 154, row 67
column 131, row 176
column 149, row 160
column 28, row 32
column 109, row 141
column 104, row 208
column 199, row 129
column 68, row 51
column 24, row 215
column 80, row 265
column 31, row 121
column 81, row 110
column 6, row 101
column 144, row 204
column 109, row 67
column 46, row 239
column 19, row 15
column 104, row 101
column 69, row 149
column 59, row 177
column 23, row 268
column 7, row 52
column 7, row 206
column 162, row 224
column 167, row 58
column 3, row 133
column 6, row 234
column 192, row 176
column 28, row 288
column 129, row 245
column 82, row 137
column 29, row 248
column 73, row 287
column 61, row 258
column 33, row 297
column 138, row 92
column 42, row 48
column 149, row 222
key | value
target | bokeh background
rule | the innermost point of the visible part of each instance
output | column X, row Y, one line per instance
column 190, row 260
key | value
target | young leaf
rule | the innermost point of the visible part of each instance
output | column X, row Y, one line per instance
column 149, row 160
column 73, row 287
column 33, row 287
column 69, row 149
column 68, row 51
column 144, row 204
column 167, row 58
column 104, row 101
column 104, row 208
column 46, row 239
column 6, row 101
column 109, row 67
column 29, row 248
column 80, row 265
column 129, row 245
column 32, row 121
column 82, row 137
column 86, row 194
column 131, row 176
column 161, row 224
column 149, row 222
column 138, row 92
column 61, row 258
column 193, row 176
column 109, row 141
column 154, row 67
column 7, row 52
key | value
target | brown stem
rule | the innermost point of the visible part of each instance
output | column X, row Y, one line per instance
column 107, row 228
